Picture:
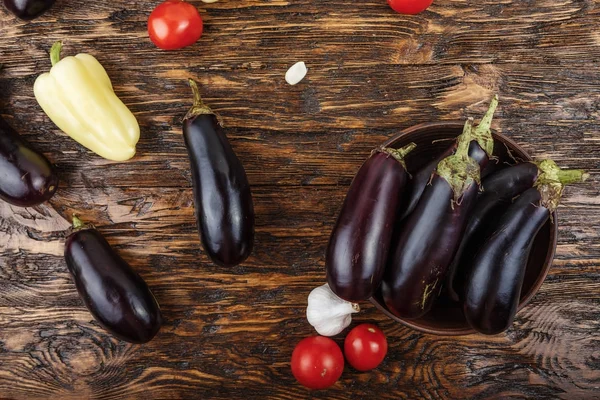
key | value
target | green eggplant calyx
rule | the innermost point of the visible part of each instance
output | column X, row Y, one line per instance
column 460, row 170
column 482, row 134
column 55, row 52
column 199, row 108
column 549, row 170
column 551, row 192
column 79, row 224
column 399, row 154
column 552, row 181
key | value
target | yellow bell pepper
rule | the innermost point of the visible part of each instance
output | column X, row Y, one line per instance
column 78, row 97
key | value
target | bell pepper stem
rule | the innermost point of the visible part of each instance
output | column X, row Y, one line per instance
column 55, row 53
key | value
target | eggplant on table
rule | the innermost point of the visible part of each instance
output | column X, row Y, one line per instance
column 28, row 9
column 222, row 196
column 116, row 296
column 429, row 236
column 360, row 240
column 481, row 150
column 497, row 192
column 493, row 287
column 27, row 178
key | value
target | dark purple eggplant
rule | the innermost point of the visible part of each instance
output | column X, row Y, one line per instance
column 26, row 177
column 497, row 192
column 116, row 296
column 493, row 288
column 430, row 235
column 222, row 197
column 480, row 149
column 360, row 241
column 28, row 9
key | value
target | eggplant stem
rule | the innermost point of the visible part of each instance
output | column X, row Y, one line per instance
column 483, row 133
column 552, row 181
column 568, row 176
column 77, row 223
column 460, row 170
column 486, row 122
column 400, row 153
column 199, row 108
column 55, row 52
column 551, row 172
column 403, row 151
column 464, row 140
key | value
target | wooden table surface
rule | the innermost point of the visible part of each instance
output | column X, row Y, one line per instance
column 229, row 333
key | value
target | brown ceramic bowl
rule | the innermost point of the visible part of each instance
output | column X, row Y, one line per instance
column 446, row 317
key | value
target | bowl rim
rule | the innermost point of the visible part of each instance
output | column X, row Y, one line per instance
column 549, row 256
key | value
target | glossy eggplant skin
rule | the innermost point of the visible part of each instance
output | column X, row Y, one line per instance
column 428, row 238
column 420, row 178
column 26, row 177
column 494, row 285
column 498, row 191
column 28, row 9
column 222, row 196
column 113, row 292
column 360, row 241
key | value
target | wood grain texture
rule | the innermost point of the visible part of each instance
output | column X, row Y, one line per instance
column 229, row 333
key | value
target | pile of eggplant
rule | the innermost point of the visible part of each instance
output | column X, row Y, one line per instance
column 444, row 228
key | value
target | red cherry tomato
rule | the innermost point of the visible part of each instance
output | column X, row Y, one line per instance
column 365, row 347
column 409, row 6
column 174, row 24
column 317, row 362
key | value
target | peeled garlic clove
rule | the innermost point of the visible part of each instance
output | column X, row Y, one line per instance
column 327, row 313
column 296, row 73
column 209, row 1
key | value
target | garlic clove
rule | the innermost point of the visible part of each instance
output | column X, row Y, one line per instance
column 327, row 313
column 296, row 73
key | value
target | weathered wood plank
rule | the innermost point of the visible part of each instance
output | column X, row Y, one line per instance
column 552, row 112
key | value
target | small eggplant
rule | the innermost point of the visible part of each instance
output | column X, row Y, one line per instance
column 480, row 149
column 222, row 197
column 430, row 235
column 116, row 296
column 360, row 241
column 26, row 177
column 28, row 9
column 493, row 288
column 497, row 192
